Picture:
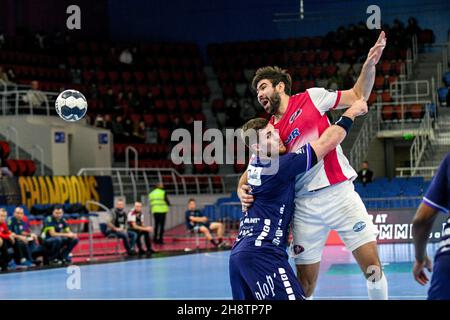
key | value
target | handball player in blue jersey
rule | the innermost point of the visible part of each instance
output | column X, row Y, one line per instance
column 259, row 267
column 435, row 201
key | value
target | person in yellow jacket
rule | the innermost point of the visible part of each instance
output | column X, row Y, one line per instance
column 159, row 206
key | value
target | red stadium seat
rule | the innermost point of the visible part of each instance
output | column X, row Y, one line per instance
column 337, row 55
column 184, row 105
column 379, row 83
column 310, row 57
column 162, row 119
column 12, row 166
column 400, row 111
column 387, row 112
column 324, row 56
column 386, row 97
column 126, row 76
column 372, row 98
column 417, row 111
column 113, row 76
column 164, row 135
column 139, row 76
column 385, row 67
column 316, row 72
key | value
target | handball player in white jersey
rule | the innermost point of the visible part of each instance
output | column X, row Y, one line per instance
column 325, row 197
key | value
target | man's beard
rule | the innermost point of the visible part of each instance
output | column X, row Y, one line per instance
column 275, row 101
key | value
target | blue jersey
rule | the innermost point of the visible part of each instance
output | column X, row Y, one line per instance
column 18, row 227
column 438, row 197
column 265, row 226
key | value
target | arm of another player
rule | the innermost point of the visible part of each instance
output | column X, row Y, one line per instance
column 243, row 192
column 422, row 224
column 366, row 79
column 335, row 134
column 434, row 201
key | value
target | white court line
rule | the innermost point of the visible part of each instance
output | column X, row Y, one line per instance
column 365, row 297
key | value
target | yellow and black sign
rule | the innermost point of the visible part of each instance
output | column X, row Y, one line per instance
column 72, row 189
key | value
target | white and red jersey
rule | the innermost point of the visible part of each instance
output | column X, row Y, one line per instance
column 304, row 121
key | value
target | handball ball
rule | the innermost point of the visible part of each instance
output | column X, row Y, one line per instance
column 71, row 105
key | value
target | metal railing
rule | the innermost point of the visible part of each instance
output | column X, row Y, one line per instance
column 360, row 147
column 15, row 103
column 129, row 149
column 137, row 181
column 419, row 89
column 420, row 143
column 426, row 172
column 9, row 130
column 34, row 148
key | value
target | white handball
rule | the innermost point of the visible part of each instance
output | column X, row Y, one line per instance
column 71, row 105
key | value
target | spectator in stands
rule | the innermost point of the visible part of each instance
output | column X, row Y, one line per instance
column 118, row 226
column 152, row 135
column 9, row 241
column 4, row 76
column 19, row 225
column 133, row 101
column 58, row 239
column 365, row 175
column 140, row 132
column 109, row 100
column 412, row 28
column 196, row 221
column 126, row 57
column 118, row 131
column 232, row 108
column 136, row 224
column 159, row 206
column 35, row 98
column 5, row 238
column 4, row 170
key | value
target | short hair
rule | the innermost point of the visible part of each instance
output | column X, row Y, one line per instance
column 191, row 200
column 275, row 75
column 3, row 210
column 255, row 124
column 18, row 207
column 57, row 207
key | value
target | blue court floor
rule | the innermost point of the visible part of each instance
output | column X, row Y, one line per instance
column 205, row 276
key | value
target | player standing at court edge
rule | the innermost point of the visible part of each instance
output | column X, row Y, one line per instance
column 325, row 197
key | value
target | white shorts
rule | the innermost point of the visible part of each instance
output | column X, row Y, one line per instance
column 338, row 208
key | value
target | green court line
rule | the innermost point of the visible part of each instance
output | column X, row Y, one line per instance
column 351, row 268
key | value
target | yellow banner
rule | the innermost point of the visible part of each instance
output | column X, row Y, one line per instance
column 51, row 189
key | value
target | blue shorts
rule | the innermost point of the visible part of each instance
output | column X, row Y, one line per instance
column 263, row 276
column 440, row 280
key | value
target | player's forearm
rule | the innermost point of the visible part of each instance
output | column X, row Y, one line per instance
column 364, row 84
column 421, row 231
column 242, row 180
column 328, row 141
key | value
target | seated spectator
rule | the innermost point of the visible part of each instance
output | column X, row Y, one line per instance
column 21, row 228
column 140, row 132
column 5, row 237
column 365, row 175
column 118, row 131
column 4, row 170
column 35, row 98
column 9, row 241
column 136, row 224
column 118, row 226
column 4, row 76
column 109, row 100
column 196, row 221
column 58, row 239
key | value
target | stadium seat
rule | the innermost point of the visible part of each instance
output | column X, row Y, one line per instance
column 442, row 96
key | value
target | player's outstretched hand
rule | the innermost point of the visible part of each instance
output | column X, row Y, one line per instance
column 358, row 108
column 418, row 270
column 377, row 50
column 245, row 196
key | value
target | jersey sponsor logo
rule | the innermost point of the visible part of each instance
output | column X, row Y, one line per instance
column 266, row 289
column 254, row 175
column 330, row 90
column 294, row 134
column 295, row 115
column 359, row 226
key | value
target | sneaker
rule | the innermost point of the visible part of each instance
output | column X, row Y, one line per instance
column 222, row 245
column 12, row 265
column 67, row 261
column 55, row 262
column 28, row 264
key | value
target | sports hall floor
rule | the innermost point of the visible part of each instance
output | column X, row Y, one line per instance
column 205, row 276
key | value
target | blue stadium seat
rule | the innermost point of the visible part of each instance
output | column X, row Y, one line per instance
column 442, row 96
column 446, row 78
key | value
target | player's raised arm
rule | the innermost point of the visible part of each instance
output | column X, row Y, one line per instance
column 336, row 133
column 366, row 79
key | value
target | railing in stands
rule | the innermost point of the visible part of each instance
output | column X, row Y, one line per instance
column 418, row 89
column 134, row 182
column 8, row 131
column 426, row 172
column 129, row 149
column 34, row 148
column 15, row 102
column 360, row 147
column 420, row 143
